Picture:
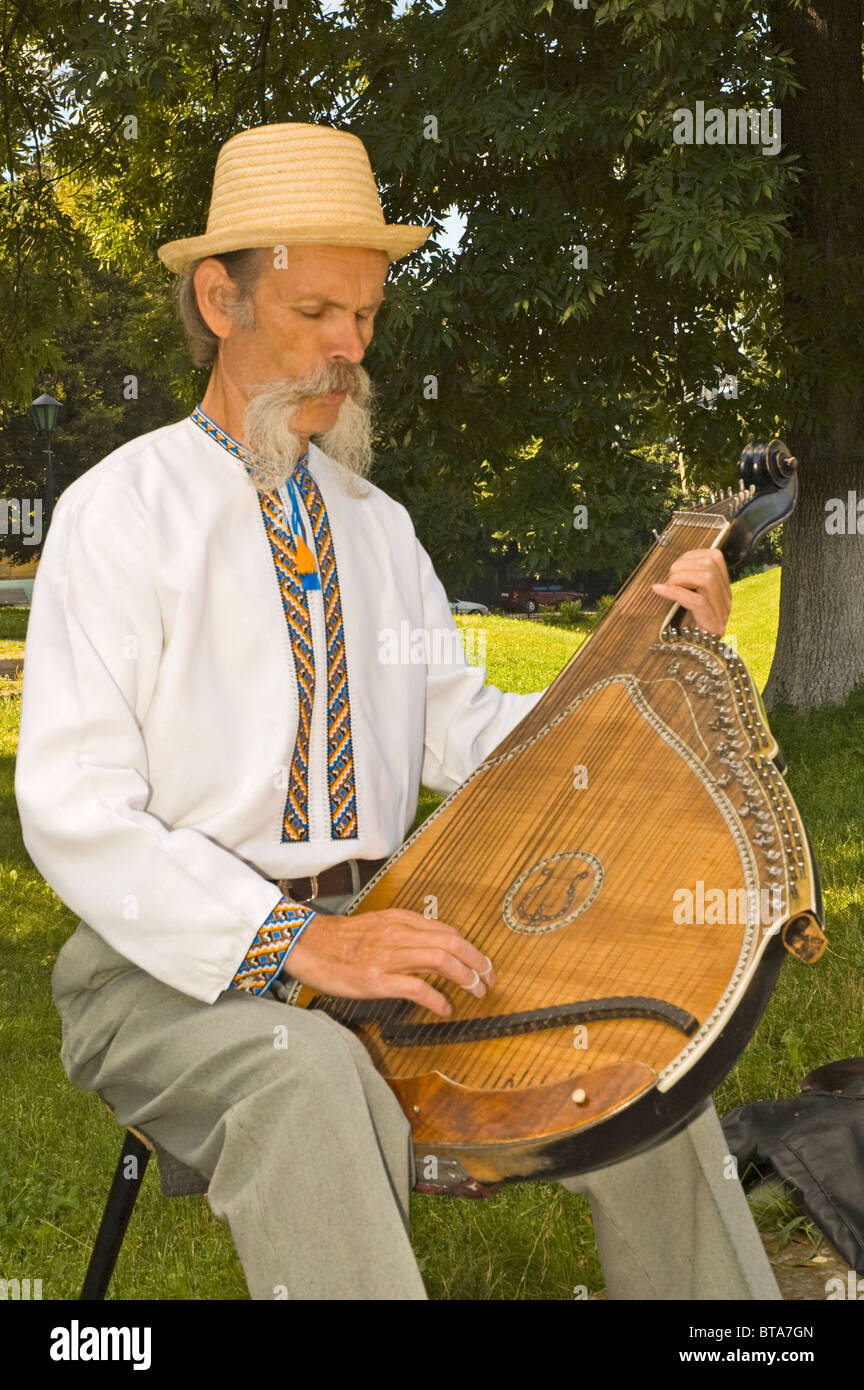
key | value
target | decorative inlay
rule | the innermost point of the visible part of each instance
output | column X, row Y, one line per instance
column 553, row 892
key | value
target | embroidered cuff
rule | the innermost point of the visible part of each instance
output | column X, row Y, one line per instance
column 273, row 943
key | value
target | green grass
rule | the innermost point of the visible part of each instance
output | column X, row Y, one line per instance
column 13, row 629
column 13, row 622
column 58, row 1146
column 753, row 621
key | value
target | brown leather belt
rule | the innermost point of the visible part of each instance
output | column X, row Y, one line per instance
column 332, row 882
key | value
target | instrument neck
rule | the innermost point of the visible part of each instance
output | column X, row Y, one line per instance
column 634, row 623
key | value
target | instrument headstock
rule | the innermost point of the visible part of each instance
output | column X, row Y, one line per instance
column 766, row 496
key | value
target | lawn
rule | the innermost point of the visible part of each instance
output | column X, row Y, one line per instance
column 58, row 1146
column 13, row 625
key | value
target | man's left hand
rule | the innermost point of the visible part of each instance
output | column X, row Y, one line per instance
column 699, row 581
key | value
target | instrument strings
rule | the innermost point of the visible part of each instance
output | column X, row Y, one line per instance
column 636, row 600
column 438, row 858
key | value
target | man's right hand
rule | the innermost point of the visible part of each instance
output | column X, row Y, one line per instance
column 380, row 955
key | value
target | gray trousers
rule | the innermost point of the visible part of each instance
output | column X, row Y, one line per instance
column 309, row 1158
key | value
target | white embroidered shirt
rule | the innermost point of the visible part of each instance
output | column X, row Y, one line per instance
column 197, row 723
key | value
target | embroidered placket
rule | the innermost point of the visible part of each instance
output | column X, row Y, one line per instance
column 301, row 570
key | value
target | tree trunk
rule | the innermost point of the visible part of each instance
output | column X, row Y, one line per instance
column 819, row 657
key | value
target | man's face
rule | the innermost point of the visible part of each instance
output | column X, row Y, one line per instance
column 317, row 311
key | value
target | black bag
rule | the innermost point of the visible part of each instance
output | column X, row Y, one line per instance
column 815, row 1142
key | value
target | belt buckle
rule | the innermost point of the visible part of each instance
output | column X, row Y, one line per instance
column 313, row 894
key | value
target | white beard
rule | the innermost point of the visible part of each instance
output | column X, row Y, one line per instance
column 274, row 446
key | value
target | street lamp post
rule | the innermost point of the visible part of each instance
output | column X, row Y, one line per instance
column 43, row 413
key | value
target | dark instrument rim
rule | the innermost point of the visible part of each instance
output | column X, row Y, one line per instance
column 654, row 1115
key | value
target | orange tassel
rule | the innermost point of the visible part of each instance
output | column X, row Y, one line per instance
column 304, row 557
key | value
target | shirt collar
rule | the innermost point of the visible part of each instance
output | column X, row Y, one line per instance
column 200, row 418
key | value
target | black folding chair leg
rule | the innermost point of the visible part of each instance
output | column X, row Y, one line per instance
column 115, row 1218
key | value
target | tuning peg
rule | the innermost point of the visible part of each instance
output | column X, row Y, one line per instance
column 713, row 498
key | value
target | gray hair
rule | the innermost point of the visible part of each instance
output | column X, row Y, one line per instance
column 245, row 269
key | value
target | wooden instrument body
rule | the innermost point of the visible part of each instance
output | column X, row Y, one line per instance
column 569, row 857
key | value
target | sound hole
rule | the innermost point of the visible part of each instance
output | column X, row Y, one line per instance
column 553, row 892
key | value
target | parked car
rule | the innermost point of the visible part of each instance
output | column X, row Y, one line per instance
column 464, row 605
column 527, row 598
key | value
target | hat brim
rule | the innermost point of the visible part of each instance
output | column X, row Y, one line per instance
column 396, row 240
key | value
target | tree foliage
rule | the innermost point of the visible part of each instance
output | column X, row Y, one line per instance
column 606, row 274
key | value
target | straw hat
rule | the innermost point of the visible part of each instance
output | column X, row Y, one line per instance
column 295, row 184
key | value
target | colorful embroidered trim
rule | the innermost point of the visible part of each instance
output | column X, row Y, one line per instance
column 303, row 557
column 209, row 427
column 293, row 586
column 274, row 941
column 295, row 818
column 340, row 752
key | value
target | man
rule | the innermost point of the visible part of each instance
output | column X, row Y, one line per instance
column 214, row 758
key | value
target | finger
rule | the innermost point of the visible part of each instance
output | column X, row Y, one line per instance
column 416, row 991
column 709, row 588
column 702, row 610
column 441, row 934
column 419, row 922
column 706, row 568
column 706, row 581
column 441, row 962
column 712, row 601
column 705, row 576
column 686, row 597
column 474, row 959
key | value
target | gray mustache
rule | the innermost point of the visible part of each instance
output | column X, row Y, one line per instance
column 337, row 376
